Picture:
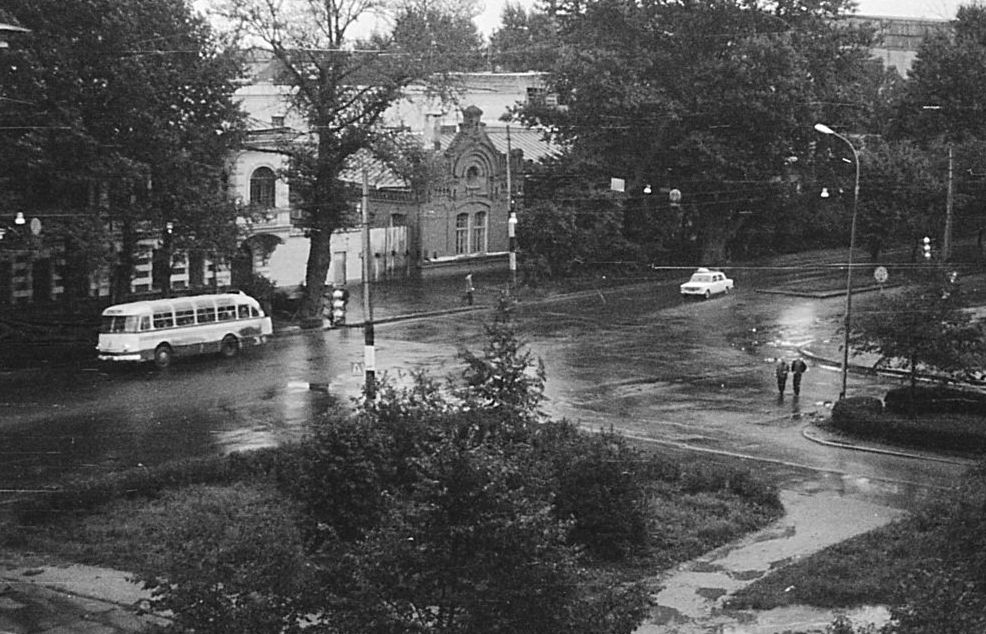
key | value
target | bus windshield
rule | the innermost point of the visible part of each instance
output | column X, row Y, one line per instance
column 119, row 323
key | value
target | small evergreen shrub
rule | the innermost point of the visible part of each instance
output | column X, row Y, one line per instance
column 857, row 414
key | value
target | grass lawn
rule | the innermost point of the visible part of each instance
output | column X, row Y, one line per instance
column 863, row 570
column 694, row 508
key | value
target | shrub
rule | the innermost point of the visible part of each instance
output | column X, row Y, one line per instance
column 599, row 487
column 935, row 400
column 340, row 477
column 230, row 560
column 950, row 432
column 856, row 407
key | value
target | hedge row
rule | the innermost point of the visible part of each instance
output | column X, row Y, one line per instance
column 935, row 400
column 866, row 417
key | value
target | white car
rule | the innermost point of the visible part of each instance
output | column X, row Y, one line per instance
column 706, row 283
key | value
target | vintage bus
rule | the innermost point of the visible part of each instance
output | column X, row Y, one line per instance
column 161, row 329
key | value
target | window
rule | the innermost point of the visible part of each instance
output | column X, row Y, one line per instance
column 164, row 320
column 536, row 96
column 461, row 234
column 205, row 314
column 244, row 311
column 227, row 312
column 472, row 176
column 398, row 220
column 145, row 322
column 119, row 323
column 184, row 316
column 277, row 121
column 262, row 187
column 479, row 232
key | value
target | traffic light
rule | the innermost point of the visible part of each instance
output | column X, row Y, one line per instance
column 340, row 297
column 927, row 247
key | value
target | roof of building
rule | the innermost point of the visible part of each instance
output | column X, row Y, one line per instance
column 382, row 176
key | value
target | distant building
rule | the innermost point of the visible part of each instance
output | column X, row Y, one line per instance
column 458, row 220
column 899, row 39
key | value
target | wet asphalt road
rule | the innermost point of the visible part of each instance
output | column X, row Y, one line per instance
column 695, row 376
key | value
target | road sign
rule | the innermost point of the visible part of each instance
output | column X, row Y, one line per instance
column 880, row 274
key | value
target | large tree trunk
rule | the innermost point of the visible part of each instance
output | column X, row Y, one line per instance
column 319, row 259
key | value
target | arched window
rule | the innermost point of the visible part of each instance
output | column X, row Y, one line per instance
column 461, row 234
column 479, row 232
column 472, row 176
column 262, row 187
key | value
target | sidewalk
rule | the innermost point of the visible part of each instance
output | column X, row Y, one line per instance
column 36, row 598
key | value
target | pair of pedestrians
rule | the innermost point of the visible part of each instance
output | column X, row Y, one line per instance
column 797, row 367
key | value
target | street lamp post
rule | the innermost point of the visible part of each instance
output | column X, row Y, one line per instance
column 824, row 129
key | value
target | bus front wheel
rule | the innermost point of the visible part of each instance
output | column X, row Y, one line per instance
column 163, row 356
column 229, row 347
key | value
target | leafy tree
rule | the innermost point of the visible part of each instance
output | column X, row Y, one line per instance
column 712, row 98
column 922, row 326
column 525, row 41
column 566, row 228
column 120, row 120
column 342, row 87
column 902, row 192
column 942, row 109
column 947, row 78
column 445, row 36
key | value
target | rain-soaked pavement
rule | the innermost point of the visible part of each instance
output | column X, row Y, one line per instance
column 694, row 377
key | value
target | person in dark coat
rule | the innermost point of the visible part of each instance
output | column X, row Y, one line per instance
column 798, row 367
column 781, row 370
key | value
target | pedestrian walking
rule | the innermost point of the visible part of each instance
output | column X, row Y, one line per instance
column 469, row 289
column 781, row 371
column 798, row 367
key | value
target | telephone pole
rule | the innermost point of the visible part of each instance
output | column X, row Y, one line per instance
column 369, row 353
column 946, row 246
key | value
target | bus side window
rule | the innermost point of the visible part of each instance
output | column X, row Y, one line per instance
column 164, row 320
column 254, row 312
column 227, row 312
column 244, row 311
column 145, row 322
column 185, row 316
column 206, row 314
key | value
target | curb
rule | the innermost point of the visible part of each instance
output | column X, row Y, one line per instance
column 815, row 435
